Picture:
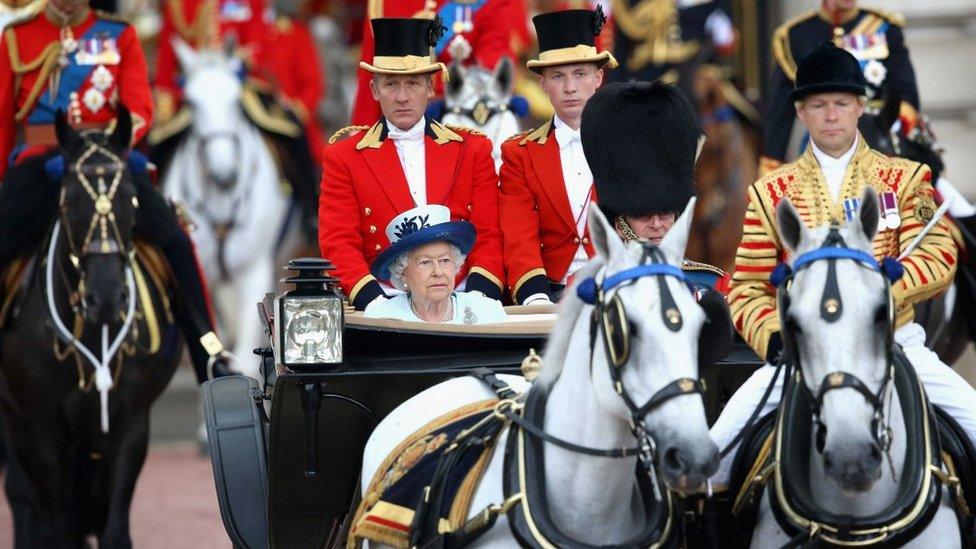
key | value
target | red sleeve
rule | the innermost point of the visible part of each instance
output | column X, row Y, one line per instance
column 134, row 90
column 339, row 237
column 519, row 218
column 7, row 109
column 166, row 63
column 365, row 109
column 310, row 69
column 487, row 251
column 493, row 40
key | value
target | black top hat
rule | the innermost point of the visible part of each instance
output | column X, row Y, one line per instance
column 640, row 140
column 567, row 37
column 828, row 68
column 403, row 46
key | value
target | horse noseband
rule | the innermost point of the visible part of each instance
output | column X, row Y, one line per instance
column 844, row 380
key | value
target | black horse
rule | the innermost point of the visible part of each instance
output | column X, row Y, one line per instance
column 68, row 476
column 948, row 319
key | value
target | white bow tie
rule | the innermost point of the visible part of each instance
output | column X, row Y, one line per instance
column 566, row 135
column 415, row 133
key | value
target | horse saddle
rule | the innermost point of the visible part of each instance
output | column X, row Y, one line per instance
column 938, row 454
column 425, row 485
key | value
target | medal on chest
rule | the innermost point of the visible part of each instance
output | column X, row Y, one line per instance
column 98, row 50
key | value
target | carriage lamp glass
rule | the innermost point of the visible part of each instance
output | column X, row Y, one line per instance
column 310, row 317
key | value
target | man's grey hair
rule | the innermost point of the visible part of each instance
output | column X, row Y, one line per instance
column 399, row 265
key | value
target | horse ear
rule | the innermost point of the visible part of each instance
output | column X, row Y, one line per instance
column 604, row 237
column 66, row 134
column 185, row 53
column 455, row 79
column 504, row 76
column 791, row 228
column 675, row 242
column 891, row 110
column 868, row 213
column 122, row 134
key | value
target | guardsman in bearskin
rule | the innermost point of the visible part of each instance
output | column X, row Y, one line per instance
column 476, row 30
column 405, row 160
column 644, row 198
column 546, row 185
column 652, row 38
column 70, row 59
column 825, row 185
column 875, row 39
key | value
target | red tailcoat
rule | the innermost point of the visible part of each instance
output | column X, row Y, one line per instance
column 536, row 219
column 113, row 67
column 364, row 188
column 490, row 39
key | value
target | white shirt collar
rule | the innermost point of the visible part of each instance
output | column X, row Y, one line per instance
column 827, row 161
column 564, row 134
column 415, row 133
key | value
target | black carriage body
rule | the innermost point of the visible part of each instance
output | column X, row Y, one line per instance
column 320, row 422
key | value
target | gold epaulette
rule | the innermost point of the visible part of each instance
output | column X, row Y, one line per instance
column 782, row 51
column 892, row 17
column 108, row 16
column 346, row 132
column 444, row 134
column 540, row 136
column 465, row 129
column 689, row 265
column 520, row 135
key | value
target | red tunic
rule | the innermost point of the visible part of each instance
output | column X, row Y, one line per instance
column 536, row 219
column 205, row 23
column 489, row 37
column 289, row 61
column 364, row 188
column 108, row 69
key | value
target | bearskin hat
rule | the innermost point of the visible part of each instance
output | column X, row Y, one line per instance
column 640, row 140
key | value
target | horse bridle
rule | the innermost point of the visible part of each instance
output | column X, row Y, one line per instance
column 831, row 308
column 481, row 113
column 201, row 151
column 108, row 240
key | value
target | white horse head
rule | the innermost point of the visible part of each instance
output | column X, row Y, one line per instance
column 849, row 334
column 663, row 322
column 213, row 90
column 480, row 99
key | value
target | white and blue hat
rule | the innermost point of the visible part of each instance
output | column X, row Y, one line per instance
column 418, row 226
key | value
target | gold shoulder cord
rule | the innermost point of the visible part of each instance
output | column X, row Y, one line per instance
column 46, row 60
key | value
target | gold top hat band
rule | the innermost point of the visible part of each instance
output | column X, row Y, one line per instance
column 576, row 54
column 406, row 64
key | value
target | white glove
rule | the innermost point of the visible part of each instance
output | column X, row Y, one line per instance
column 537, row 299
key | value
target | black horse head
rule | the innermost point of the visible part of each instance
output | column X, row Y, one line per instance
column 878, row 131
column 97, row 212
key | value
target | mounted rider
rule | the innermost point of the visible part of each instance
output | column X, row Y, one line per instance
column 825, row 185
column 405, row 160
column 276, row 95
column 71, row 61
column 876, row 40
column 478, row 28
column 546, row 184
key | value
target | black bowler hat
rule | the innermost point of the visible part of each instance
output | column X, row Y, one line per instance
column 567, row 37
column 828, row 68
column 403, row 46
column 641, row 140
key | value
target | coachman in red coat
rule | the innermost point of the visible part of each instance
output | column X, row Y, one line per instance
column 401, row 161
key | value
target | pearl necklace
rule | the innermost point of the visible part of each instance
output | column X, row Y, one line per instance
column 448, row 312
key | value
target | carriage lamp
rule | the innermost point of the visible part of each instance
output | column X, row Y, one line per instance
column 310, row 318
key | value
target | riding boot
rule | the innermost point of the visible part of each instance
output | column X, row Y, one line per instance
column 157, row 223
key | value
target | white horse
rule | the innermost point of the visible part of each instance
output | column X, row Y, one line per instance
column 851, row 475
column 225, row 175
column 480, row 99
column 592, row 499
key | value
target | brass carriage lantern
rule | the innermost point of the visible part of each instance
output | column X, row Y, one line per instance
column 310, row 317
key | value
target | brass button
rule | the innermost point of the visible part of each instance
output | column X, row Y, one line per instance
column 586, row 240
column 367, row 212
column 542, row 245
column 469, row 207
column 378, row 247
column 372, row 229
column 576, row 240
